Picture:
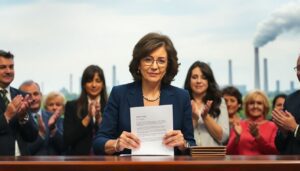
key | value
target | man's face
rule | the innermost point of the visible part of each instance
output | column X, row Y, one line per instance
column 35, row 94
column 7, row 71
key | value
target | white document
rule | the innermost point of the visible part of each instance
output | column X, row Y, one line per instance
column 150, row 124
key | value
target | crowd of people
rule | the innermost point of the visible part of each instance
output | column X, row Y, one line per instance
column 98, row 124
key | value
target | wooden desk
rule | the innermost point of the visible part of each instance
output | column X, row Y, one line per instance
column 150, row 163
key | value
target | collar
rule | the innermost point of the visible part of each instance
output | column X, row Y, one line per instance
column 98, row 98
column 6, row 88
column 39, row 112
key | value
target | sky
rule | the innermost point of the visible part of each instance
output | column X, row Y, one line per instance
column 52, row 39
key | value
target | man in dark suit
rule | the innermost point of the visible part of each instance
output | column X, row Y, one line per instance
column 50, row 125
column 16, row 124
column 288, row 136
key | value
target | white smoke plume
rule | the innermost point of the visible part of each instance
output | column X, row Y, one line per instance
column 286, row 18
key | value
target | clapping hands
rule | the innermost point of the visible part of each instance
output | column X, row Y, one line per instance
column 18, row 106
column 196, row 110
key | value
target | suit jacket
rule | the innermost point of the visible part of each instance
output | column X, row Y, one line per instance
column 290, row 144
column 9, row 132
column 77, row 138
column 116, row 115
column 48, row 145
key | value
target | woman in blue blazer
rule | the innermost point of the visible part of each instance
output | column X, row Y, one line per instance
column 153, row 67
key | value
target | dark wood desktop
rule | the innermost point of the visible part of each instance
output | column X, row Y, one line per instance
column 150, row 163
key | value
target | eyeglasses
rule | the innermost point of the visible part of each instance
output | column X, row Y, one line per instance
column 297, row 68
column 148, row 61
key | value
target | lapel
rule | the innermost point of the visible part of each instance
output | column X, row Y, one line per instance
column 2, row 105
column 166, row 95
column 13, row 93
column 135, row 97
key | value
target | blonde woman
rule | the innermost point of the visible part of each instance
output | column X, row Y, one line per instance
column 255, row 135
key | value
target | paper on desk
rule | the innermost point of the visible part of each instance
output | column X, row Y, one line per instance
column 150, row 124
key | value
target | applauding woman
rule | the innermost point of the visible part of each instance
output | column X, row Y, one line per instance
column 83, row 116
column 233, row 99
column 210, row 116
column 254, row 135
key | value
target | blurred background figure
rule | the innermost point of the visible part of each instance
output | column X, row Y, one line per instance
column 287, row 120
column 233, row 99
column 278, row 101
column 55, row 101
column 83, row 115
column 50, row 139
column 255, row 135
column 16, row 123
column 210, row 116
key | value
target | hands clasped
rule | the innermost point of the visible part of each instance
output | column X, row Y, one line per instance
column 284, row 120
column 95, row 111
column 196, row 110
column 18, row 107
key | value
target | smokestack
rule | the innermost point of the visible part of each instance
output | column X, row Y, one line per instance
column 114, row 79
column 256, row 69
column 71, row 83
column 230, row 72
column 42, row 87
column 292, row 86
column 277, row 86
column 266, row 80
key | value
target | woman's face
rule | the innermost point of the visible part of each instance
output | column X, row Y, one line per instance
column 256, row 107
column 199, row 83
column 154, row 67
column 232, row 104
column 279, row 103
column 56, row 103
column 94, row 87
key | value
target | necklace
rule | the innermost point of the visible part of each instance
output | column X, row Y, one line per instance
column 151, row 100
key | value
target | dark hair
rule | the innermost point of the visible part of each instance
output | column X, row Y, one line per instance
column 87, row 76
column 6, row 55
column 232, row 91
column 146, row 45
column 213, row 92
column 277, row 97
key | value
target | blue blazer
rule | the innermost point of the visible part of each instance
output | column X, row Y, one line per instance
column 116, row 115
column 48, row 145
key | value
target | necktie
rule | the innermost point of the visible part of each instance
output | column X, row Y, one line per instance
column 35, row 117
column 3, row 93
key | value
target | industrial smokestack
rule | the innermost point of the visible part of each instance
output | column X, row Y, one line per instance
column 42, row 87
column 284, row 19
column 266, row 80
column 114, row 79
column 256, row 69
column 71, row 83
column 277, row 86
column 292, row 86
column 230, row 72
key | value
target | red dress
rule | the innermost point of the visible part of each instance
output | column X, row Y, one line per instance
column 248, row 145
